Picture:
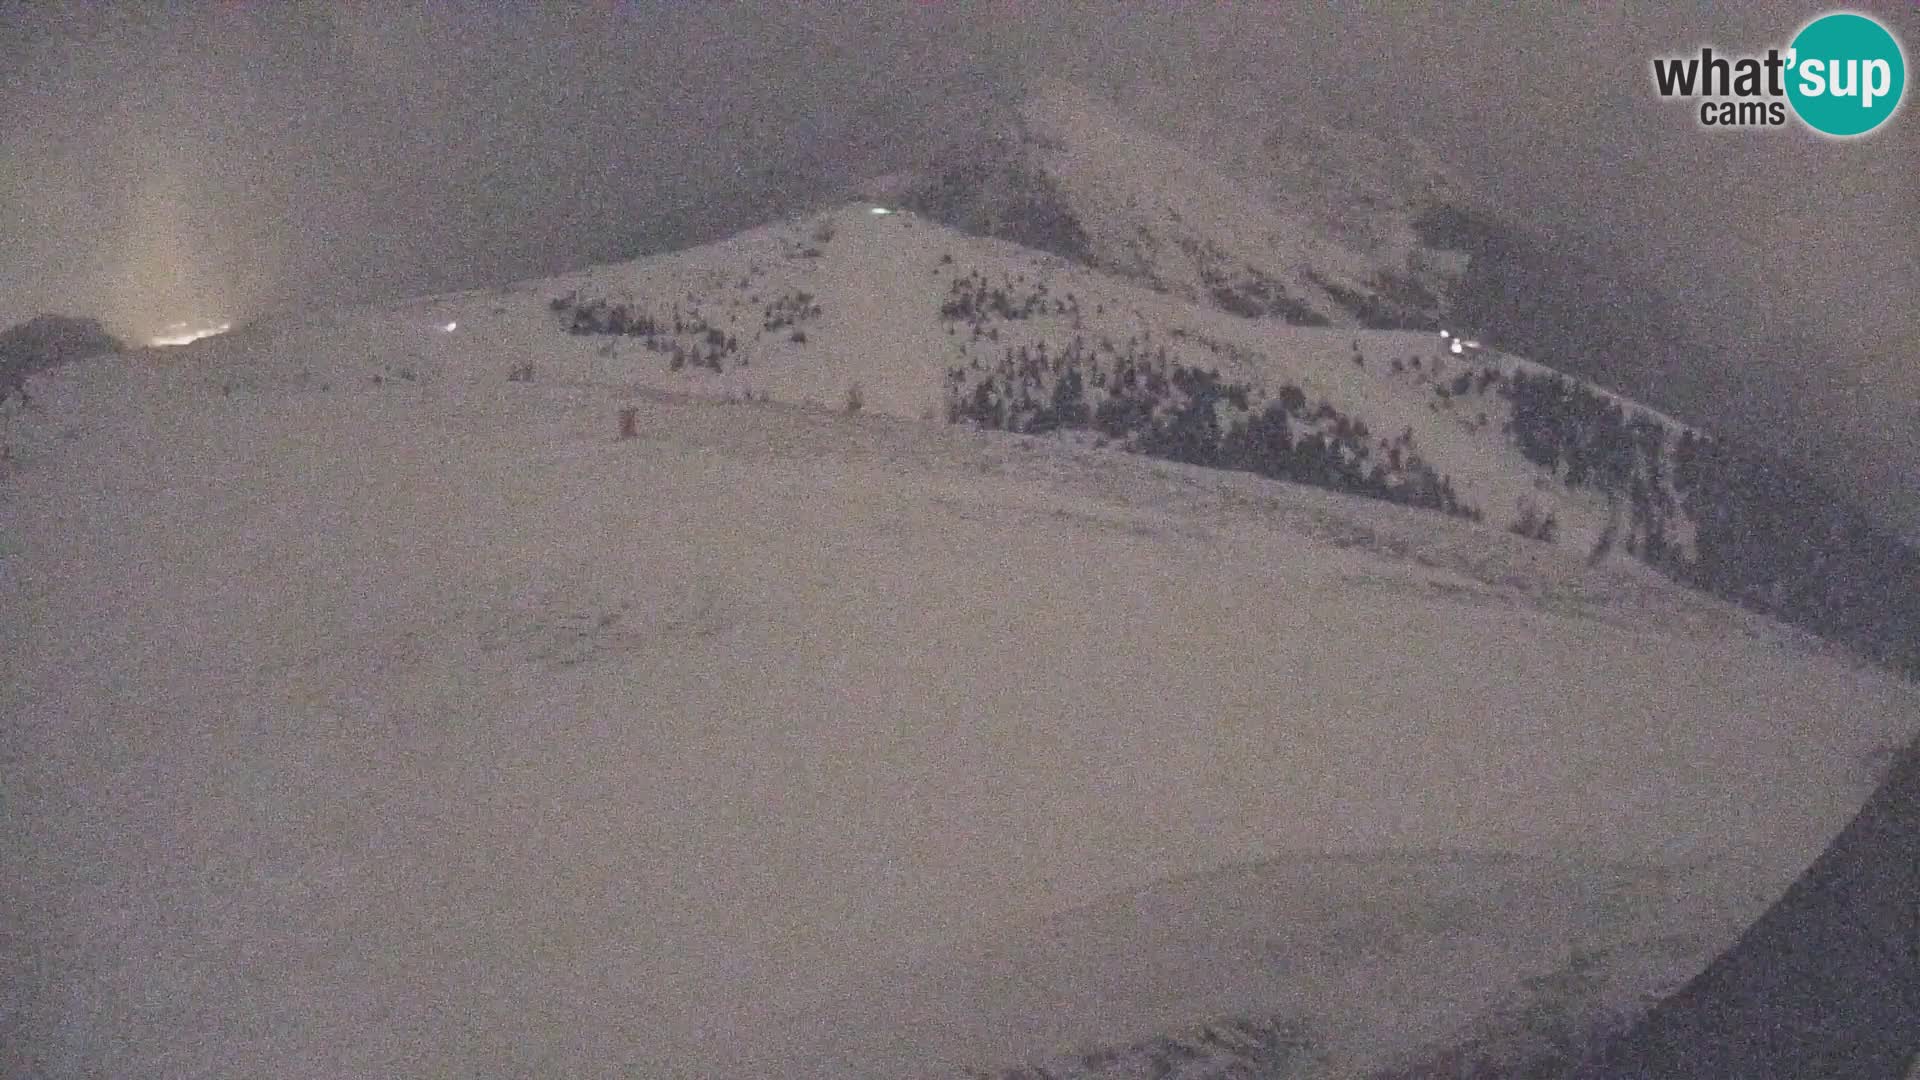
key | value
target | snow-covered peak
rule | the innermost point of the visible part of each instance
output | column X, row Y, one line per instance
column 1305, row 223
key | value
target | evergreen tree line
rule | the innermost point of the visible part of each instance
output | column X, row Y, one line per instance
column 790, row 309
column 685, row 340
column 1397, row 302
column 1772, row 538
column 1258, row 296
column 1765, row 534
column 1152, row 405
column 971, row 300
column 1588, row 441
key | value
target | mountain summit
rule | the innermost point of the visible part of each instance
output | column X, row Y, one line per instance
column 1281, row 304
column 1310, row 224
column 902, row 642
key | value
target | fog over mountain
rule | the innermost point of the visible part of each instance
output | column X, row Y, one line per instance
column 228, row 161
column 975, row 539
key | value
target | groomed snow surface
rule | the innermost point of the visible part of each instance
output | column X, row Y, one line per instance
column 427, row 729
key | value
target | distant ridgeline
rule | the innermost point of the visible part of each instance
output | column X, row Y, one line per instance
column 47, row 341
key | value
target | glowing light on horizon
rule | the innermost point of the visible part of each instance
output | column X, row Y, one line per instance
column 183, row 333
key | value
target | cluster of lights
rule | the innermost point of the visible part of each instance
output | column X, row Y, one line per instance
column 1457, row 345
column 182, row 333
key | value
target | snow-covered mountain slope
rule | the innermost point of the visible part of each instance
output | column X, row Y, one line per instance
column 374, row 709
column 428, row 728
column 921, row 321
column 1296, row 221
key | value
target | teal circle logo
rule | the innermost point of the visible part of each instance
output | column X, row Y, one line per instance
column 1846, row 74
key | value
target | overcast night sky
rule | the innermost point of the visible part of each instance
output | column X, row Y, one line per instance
column 233, row 159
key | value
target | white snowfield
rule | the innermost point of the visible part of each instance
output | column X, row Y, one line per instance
column 874, row 289
column 427, row 729
column 368, row 709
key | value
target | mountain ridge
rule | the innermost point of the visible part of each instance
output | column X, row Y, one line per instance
column 858, row 698
column 1083, row 240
